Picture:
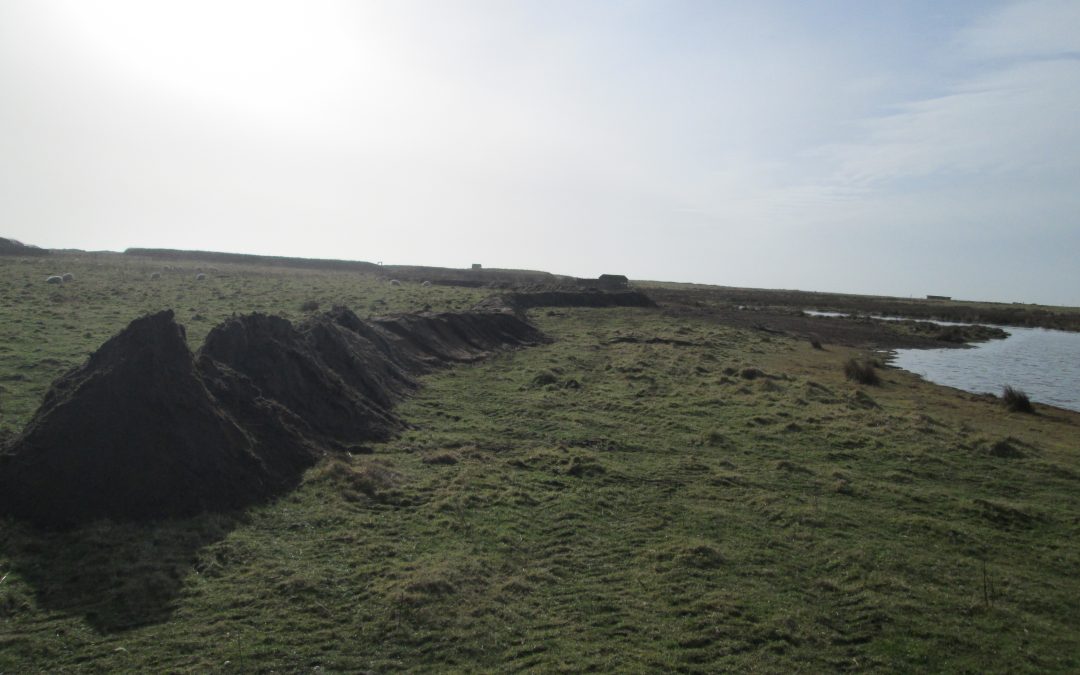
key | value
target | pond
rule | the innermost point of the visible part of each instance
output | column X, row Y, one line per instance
column 1042, row 362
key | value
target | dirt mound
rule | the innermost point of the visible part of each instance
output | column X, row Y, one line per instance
column 519, row 302
column 342, row 375
column 430, row 340
column 145, row 429
column 137, row 432
column 320, row 371
column 15, row 247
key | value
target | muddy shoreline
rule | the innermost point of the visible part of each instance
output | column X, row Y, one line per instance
column 962, row 311
column 860, row 332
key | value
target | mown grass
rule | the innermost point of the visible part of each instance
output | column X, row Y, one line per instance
column 724, row 500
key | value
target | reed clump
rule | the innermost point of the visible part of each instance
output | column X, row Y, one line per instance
column 863, row 372
column 1016, row 400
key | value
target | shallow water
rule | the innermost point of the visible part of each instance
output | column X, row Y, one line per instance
column 814, row 312
column 1044, row 363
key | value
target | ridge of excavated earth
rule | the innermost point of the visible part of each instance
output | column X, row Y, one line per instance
column 145, row 429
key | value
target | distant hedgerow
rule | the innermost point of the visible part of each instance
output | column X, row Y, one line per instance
column 862, row 372
column 1016, row 400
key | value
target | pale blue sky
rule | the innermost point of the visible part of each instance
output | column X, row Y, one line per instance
column 900, row 148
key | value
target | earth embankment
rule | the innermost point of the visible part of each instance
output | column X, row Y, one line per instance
column 145, row 429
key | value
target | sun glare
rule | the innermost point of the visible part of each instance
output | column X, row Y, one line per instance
column 281, row 61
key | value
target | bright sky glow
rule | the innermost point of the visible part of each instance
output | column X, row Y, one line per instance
column 898, row 148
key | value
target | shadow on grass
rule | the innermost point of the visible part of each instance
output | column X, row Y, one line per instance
column 118, row 576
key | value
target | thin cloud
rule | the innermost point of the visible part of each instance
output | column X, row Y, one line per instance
column 1031, row 28
column 1015, row 120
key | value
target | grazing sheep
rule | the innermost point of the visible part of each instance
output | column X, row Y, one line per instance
column 200, row 276
column 426, row 284
column 155, row 276
column 395, row 282
column 54, row 280
column 68, row 276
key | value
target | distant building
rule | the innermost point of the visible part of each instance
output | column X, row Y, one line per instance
column 477, row 266
column 613, row 282
column 938, row 297
column 605, row 282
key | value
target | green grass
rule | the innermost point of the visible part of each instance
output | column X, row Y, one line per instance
column 592, row 504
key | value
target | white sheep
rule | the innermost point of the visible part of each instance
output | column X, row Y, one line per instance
column 200, row 276
column 395, row 282
column 155, row 276
column 68, row 276
column 426, row 284
column 55, row 280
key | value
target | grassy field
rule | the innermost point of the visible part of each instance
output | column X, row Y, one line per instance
column 642, row 495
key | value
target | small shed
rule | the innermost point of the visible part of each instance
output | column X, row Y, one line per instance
column 613, row 282
column 477, row 266
column 938, row 297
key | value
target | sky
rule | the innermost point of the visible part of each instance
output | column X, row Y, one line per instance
column 898, row 148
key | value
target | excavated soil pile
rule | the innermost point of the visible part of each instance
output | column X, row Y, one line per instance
column 14, row 247
column 342, row 375
column 137, row 431
column 519, row 302
column 320, row 371
column 427, row 341
column 145, row 429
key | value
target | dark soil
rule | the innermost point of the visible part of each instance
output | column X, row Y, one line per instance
column 432, row 340
column 136, row 432
column 145, row 429
column 287, row 364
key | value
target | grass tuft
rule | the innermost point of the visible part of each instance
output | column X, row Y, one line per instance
column 862, row 372
column 1016, row 400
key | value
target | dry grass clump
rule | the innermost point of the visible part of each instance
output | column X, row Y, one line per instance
column 370, row 478
column 1016, row 400
column 862, row 372
column 444, row 458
